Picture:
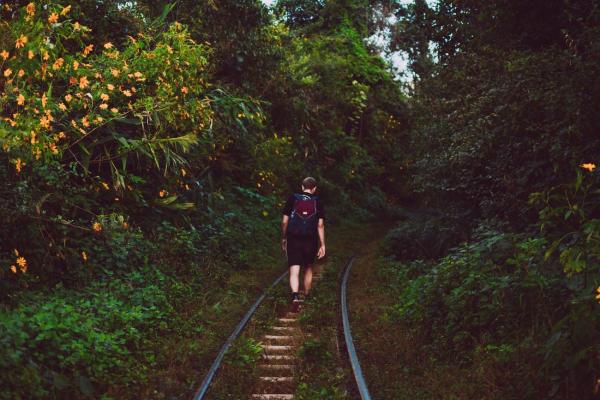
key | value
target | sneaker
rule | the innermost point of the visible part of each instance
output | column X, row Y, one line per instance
column 301, row 296
column 295, row 302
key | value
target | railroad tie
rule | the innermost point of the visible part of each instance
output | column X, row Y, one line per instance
column 276, row 381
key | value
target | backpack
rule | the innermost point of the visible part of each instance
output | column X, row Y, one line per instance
column 303, row 219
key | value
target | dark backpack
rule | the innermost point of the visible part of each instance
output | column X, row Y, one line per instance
column 303, row 219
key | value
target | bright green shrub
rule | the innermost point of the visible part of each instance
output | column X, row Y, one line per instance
column 74, row 345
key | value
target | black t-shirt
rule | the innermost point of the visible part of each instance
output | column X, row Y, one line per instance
column 289, row 206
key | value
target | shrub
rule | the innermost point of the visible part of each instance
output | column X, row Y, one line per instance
column 496, row 301
column 78, row 344
column 425, row 236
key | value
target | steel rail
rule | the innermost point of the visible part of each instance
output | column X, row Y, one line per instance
column 358, row 375
column 201, row 392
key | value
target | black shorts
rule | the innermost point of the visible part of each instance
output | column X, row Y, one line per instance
column 301, row 251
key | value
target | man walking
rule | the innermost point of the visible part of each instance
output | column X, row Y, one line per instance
column 303, row 236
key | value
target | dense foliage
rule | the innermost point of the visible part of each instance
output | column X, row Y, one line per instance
column 145, row 150
column 146, row 146
column 504, row 141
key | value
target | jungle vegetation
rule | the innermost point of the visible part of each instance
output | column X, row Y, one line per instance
column 146, row 147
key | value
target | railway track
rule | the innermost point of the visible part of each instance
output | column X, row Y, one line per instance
column 352, row 356
column 281, row 345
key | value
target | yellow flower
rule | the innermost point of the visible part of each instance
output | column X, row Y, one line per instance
column 97, row 227
column 58, row 63
column 5, row 54
column 589, row 166
column 88, row 49
column 162, row 193
column 53, row 18
column 76, row 26
column 110, row 87
column 103, row 106
column 183, row 172
column 21, row 41
column 85, row 121
column 20, row 99
column 108, row 45
column 30, row 9
column 75, row 65
column 20, row 73
column 44, row 100
column 62, row 106
column 13, row 269
column 53, row 148
column 45, row 122
column 104, row 96
column 126, row 92
column 21, row 261
column 104, row 185
column 7, row 72
column 83, row 82
column 30, row 54
column 65, row 10
column 68, row 98
column 114, row 110
column 18, row 166
column 114, row 72
column 84, row 256
column 61, row 135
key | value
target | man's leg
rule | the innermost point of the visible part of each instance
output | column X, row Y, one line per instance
column 294, row 278
column 294, row 285
column 308, row 276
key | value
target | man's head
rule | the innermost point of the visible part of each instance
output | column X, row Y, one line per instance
column 309, row 184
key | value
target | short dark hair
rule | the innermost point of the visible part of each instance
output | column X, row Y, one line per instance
column 309, row 182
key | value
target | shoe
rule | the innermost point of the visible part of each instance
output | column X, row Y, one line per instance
column 302, row 297
column 295, row 302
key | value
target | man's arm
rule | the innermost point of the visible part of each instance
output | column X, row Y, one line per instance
column 284, row 224
column 321, row 229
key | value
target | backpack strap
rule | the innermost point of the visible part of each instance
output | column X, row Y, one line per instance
column 302, row 196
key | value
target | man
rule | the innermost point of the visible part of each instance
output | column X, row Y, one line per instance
column 303, row 236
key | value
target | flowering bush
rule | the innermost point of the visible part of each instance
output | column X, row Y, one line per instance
column 94, row 130
column 62, row 98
